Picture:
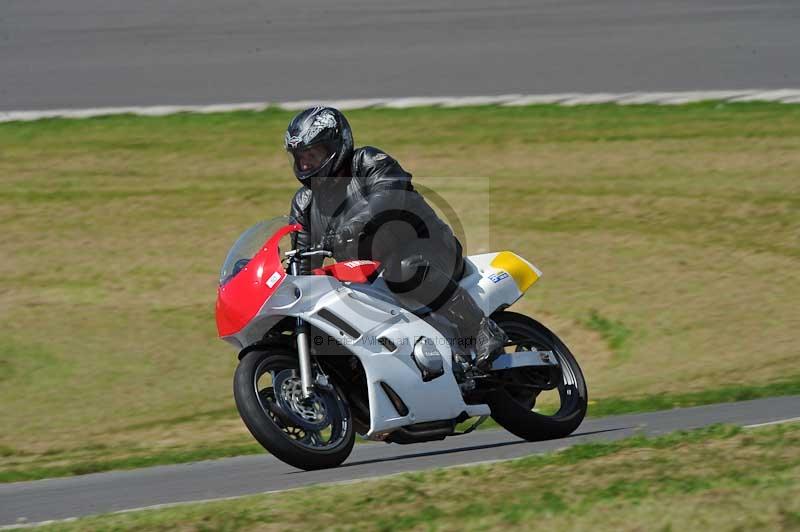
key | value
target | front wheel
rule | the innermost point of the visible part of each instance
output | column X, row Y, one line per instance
column 561, row 409
column 313, row 433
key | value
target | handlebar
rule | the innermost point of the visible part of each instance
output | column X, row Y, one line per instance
column 310, row 252
column 295, row 254
column 323, row 252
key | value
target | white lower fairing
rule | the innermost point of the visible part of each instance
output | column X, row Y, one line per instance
column 323, row 301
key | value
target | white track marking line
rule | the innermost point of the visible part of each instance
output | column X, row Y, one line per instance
column 788, row 96
column 537, row 99
column 467, row 101
column 153, row 110
column 343, row 105
column 769, row 96
column 405, row 103
column 778, row 422
column 588, row 99
column 689, row 97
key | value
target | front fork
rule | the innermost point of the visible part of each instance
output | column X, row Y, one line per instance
column 303, row 353
column 306, row 377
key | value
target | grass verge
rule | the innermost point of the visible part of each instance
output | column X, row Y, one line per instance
column 652, row 403
column 719, row 478
column 676, row 226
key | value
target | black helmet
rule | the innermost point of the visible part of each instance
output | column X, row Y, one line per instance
column 319, row 142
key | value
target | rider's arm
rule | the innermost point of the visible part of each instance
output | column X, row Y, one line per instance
column 387, row 192
column 302, row 239
column 386, row 188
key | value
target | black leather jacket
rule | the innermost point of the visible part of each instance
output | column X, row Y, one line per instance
column 380, row 190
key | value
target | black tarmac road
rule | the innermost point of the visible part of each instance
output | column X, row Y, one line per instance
column 95, row 53
column 27, row 502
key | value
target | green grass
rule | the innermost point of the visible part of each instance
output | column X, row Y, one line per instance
column 720, row 478
column 615, row 333
column 652, row 403
column 668, row 236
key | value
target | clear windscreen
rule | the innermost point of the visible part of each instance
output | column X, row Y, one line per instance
column 249, row 243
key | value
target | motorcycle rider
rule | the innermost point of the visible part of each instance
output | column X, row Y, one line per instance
column 360, row 203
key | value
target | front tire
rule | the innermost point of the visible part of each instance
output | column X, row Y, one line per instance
column 512, row 405
column 276, row 427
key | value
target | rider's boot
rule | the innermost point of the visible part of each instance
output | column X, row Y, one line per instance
column 490, row 341
column 480, row 338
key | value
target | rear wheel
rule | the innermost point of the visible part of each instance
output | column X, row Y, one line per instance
column 558, row 394
column 314, row 433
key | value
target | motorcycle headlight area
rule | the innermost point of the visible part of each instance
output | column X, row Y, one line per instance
column 428, row 358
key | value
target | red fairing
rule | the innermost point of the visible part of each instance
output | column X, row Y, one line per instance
column 354, row 271
column 243, row 296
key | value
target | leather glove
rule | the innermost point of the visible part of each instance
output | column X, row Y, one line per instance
column 338, row 239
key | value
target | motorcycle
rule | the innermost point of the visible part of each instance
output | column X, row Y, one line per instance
column 328, row 355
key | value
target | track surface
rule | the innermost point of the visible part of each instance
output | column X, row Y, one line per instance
column 95, row 53
column 107, row 492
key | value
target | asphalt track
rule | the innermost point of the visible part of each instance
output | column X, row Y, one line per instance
column 27, row 502
column 97, row 53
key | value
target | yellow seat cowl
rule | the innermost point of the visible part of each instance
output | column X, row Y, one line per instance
column 523, row 273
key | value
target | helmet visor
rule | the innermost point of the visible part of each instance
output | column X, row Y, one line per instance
column 309, row 159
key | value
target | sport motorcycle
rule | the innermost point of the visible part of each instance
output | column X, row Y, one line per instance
column 328, row 355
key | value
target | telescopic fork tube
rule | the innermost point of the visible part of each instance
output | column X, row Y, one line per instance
column 301, row 329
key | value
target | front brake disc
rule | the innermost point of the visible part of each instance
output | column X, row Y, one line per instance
column 312, row 413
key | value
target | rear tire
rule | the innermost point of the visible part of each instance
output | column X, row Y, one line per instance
column 275, row 434
column 512, row 409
